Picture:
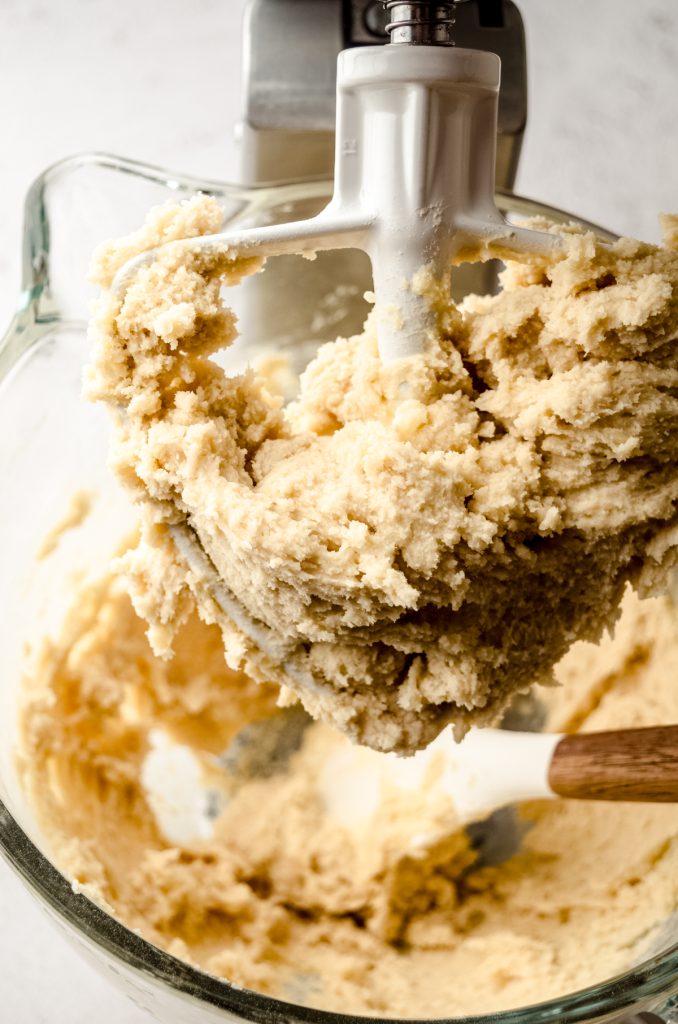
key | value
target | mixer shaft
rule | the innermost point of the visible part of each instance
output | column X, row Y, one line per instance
column 421, row 23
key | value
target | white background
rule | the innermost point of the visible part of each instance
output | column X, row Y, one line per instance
column 158, row 80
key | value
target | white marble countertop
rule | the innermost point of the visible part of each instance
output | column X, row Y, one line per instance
column 602, row 140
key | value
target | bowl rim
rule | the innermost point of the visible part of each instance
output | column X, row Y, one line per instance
column 656, row 977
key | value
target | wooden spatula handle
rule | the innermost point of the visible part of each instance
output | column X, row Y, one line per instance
column 627, row 764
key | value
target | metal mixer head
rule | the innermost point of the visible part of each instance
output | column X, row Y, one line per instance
column 287, row 133
column 414, row 175
column 290, row 52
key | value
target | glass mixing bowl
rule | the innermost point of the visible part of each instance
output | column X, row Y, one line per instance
column 53, row 444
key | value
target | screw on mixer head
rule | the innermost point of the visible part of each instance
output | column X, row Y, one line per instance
column 420, row 22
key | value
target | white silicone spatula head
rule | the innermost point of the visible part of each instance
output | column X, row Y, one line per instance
column 492, row 768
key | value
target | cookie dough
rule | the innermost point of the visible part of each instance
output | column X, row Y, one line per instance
column 285, row 898
column 423, row 538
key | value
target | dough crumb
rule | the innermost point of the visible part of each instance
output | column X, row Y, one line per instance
column 79, row 507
